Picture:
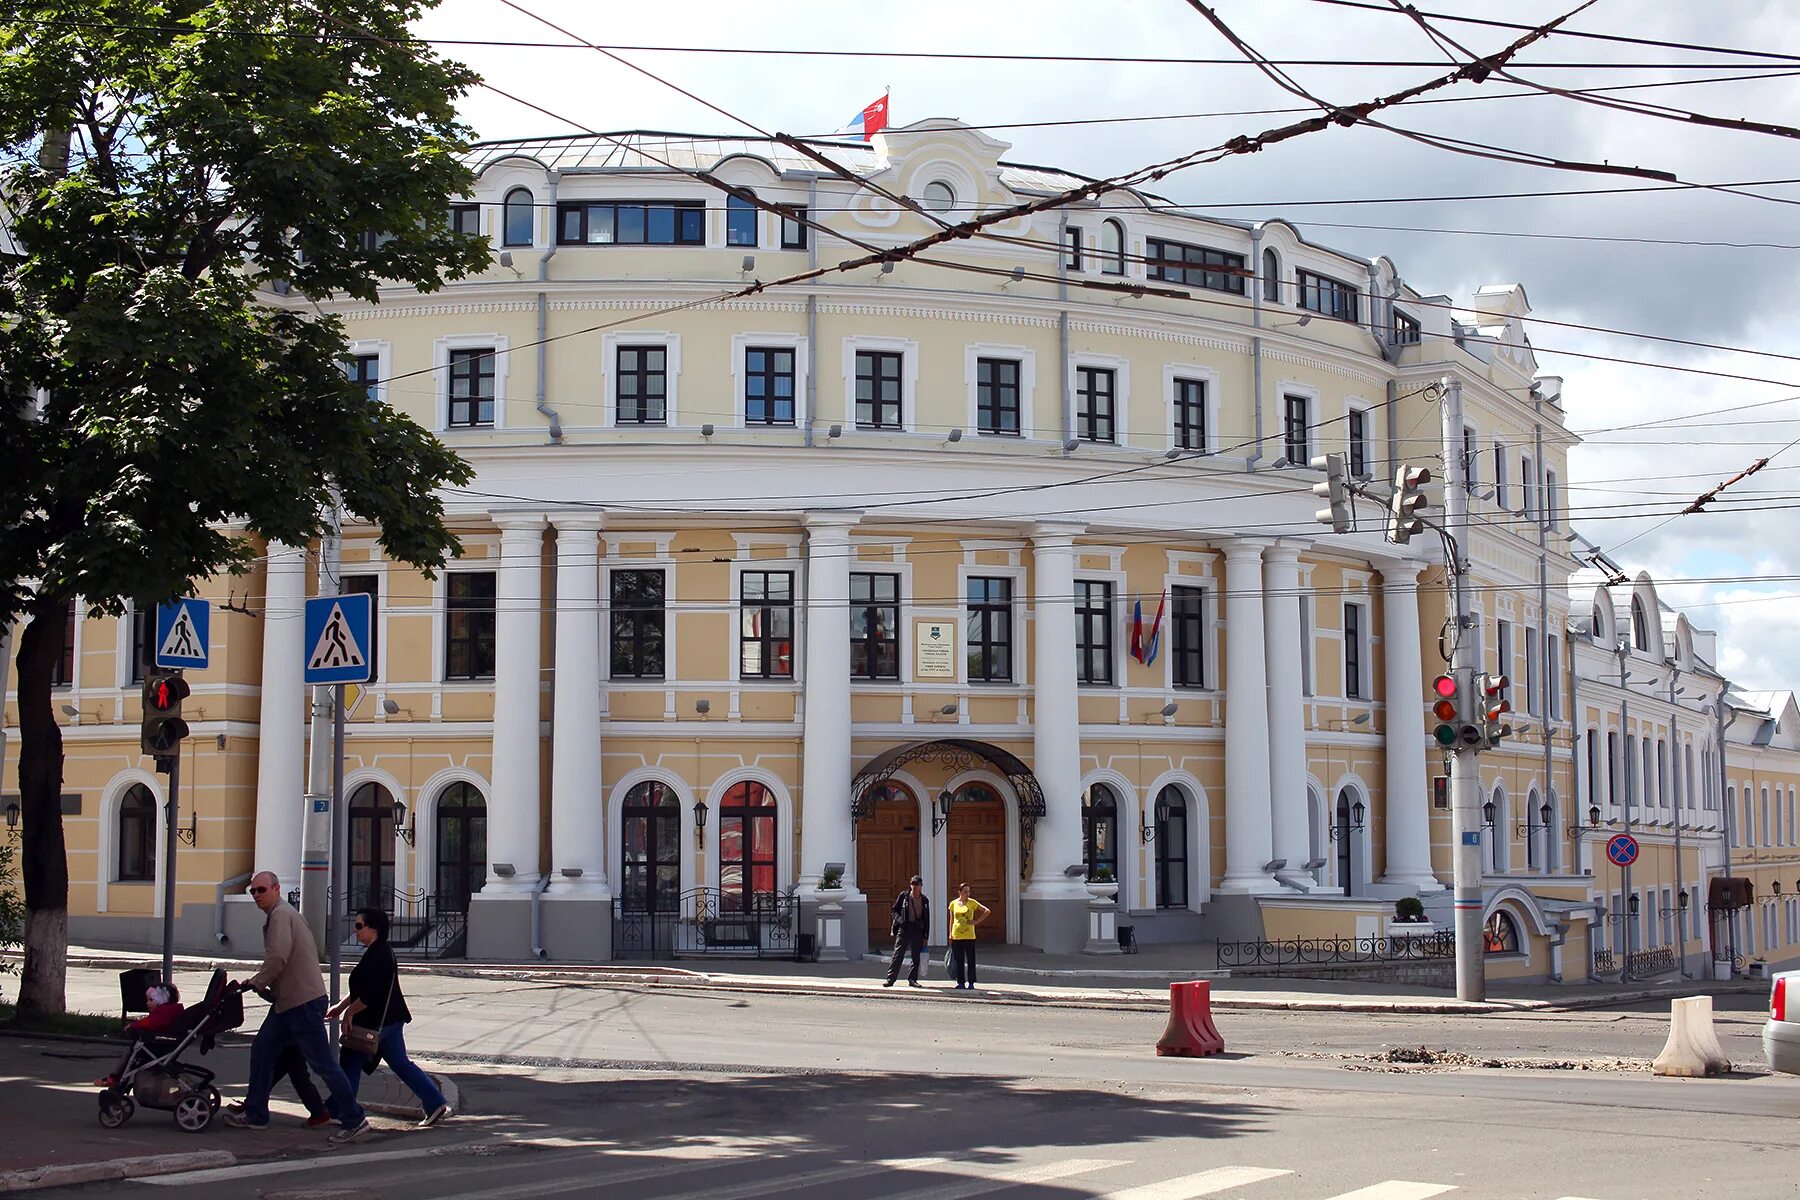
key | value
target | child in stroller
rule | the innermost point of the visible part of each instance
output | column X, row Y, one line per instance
column 153, row 1074
column 164, row 1000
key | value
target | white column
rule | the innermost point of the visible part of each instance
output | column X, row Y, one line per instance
column 1056, row 734
column 281, row 725
column 577, row 793
column 1408, row 807
column 1287, row 720
column 1249, row 832
column 513, row 809
column 825, row 834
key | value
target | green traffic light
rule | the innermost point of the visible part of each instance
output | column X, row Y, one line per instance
column 1446, row 735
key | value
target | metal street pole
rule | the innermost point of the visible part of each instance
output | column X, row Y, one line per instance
column 1675, row 770
column 340, row 841
column 1465, row 783
column 1725, row 808
column 316, row 898
column 1624, row 913
column 171, row 821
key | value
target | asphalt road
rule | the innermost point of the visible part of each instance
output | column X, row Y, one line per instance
column 651, row 1093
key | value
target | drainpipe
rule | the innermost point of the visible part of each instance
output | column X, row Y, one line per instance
column 812, row 313
column 1542, row 649
column 1062, row 329
column 1561, row 929
column 537, row 920
column 219, row 893
column 1256, row 351
column 543, row 326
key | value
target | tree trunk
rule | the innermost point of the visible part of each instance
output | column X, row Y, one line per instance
column 44, row 861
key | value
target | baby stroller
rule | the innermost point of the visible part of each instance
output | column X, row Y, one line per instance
column 154, row 1075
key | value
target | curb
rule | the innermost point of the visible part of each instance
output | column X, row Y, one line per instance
column 28, row 1179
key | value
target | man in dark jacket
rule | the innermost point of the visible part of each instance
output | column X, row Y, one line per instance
column 912, row 929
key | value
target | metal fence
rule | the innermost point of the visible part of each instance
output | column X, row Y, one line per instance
column 1655, row 961
column 710, row 923
column 1320, row 951
column 1605, row 962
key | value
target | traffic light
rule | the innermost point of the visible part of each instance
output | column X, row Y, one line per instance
column 163, row 727
column 1335, row 490
column 1403, row 520
column 1493, row 707
column 1447, row 708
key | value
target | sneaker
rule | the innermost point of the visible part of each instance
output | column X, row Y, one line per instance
column 237, row 1120
column 318, row 1120
column 914, row 983
column 434, row 1116
column 106, row 1081
column 344, row 1137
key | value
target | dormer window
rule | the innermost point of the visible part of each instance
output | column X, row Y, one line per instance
column 1640, row 624
column 1328, row 297
column 1112, row 248
column 1271, row 277
column 520, row 209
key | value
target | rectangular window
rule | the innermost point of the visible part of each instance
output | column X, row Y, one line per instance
column 768, row 385
column 370, row 586
column 1593, row 767
column 62, row 671
column 1194, row 266
column 638, row 616
column 1190, row 414
column 1072, row 248
column 466, row 218
column 1358, row 423
column 668, row 223
column 1553, row 679
column 1296, row 429
column 874, row 626
column 1531, row 671
column 1471, row 461
column 1095, row 397
column 469, row 625
column 1551, row 499
column 740, row 222
column 878, row 389
column 1187, row 635
column 989, row 638
column 641, row 384
column 1503, row 648
column 1527, row 486
column 767, row 624
column 1354, row 683
column 1093, row 632
column 472, row 389
column 1612, row 768
column 1306, row 646
column 793, row 227
column 1328, row 297
column 1406, row 329
column 997, row 395
column 143, row 640
column 1500, row 476
column 364, row 371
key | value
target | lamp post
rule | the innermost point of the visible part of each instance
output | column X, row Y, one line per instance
column 699, row 824
column 402, row 830
column 12, row 818
column 1358, row 811
column 941, row 817
column 1624, row 653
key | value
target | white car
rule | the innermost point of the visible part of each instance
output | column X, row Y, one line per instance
column 1781, row 1032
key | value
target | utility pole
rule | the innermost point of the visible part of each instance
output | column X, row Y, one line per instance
column 1675, row 772
column 318, row 843
column 1725, row 809
column 1465, row 780
column 1624, row 914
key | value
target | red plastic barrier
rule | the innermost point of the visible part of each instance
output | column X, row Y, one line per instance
column 1191, row 1032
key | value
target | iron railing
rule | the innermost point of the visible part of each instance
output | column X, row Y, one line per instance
column 1320, row 951
column 707, row 922
column 1654, row 961
column 1605, row 962
column 419, row 924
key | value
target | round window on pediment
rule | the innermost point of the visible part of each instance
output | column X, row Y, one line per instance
column 939, row 196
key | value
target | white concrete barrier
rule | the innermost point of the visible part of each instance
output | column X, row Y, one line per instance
column 1693, row 1047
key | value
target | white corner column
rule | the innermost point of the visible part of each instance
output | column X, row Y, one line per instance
column 825, row 834
column 577, row 795
column 1054, row 904
column 281, row 723
column 1407, row 807
column 1287, row 717
column 513, row 809
column 1249, row 827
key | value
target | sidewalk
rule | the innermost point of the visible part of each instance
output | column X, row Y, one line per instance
column 1018, row 975
column 53, row 1137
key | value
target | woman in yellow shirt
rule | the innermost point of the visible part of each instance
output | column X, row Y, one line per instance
column 965, row 914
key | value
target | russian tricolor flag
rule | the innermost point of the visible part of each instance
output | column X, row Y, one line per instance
column 871, row 120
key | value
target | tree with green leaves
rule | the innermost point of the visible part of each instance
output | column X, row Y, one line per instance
column 167, row 164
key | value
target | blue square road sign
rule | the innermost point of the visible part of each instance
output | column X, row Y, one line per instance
column 337, row 638
column 184, row 633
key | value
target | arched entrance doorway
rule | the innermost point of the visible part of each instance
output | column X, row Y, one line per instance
column 650, row 849
column 887, row 852
column 1343, row 833
column 461, row 846
column 976, row 854
column 371, row 848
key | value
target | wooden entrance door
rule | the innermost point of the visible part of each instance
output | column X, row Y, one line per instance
column 887, row 856
column 976, row 855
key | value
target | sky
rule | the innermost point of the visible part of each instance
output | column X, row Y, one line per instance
column 1729, row 281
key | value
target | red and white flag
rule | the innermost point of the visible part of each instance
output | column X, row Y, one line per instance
column 871, row 120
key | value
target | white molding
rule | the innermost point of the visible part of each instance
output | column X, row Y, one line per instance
column 610, row 345
column 1026, row 357
column 908, row 350
column 1206, row 375
column 440, row 374
column 741, row 344
column 1120, row 366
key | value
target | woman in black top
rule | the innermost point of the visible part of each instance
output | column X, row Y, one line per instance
column 373, row 1001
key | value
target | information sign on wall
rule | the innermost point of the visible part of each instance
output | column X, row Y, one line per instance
column 934, row 650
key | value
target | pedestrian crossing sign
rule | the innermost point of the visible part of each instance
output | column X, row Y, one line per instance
column 184, row 633
column 337, row 638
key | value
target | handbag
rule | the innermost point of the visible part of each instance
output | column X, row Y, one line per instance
column 360, row 1039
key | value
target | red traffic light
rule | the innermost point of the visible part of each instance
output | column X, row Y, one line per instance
column 1444, row 686
column 1444, row 710
column 164, row 693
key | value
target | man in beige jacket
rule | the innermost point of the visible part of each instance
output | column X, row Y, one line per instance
column 289, row 979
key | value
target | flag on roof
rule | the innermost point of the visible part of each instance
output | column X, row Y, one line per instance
column 871, row 120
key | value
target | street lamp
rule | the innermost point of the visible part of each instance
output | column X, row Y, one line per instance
column 1488, row 815
column 402, row 830
column 700, row 823
column 1576, row 831
column 941, row 817
column 1528, row 829
column 1148, row 831
column 1358, row 811
column 12, row 816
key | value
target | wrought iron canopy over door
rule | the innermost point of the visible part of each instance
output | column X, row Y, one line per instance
column 955, row 755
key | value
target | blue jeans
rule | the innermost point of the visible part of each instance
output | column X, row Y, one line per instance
column 302, row 1027
column 391, row 1049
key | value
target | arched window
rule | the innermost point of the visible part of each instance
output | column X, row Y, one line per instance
column 1316, row 837
column 650, row 849
column 1171, row 848
column 137, row 835
column 461, row 846
column 1532, row 859
column 1599, row 624
column 520, row 214
column 746, row 846
column 371, row 848
column 1501, row 934
column 740, row 221
column 1112, row 248
column 1549, row 817
column 1499, row 833
column 1347, row 822
column 1737, row 835
column 1271, row 273
column 1640, row 624
column 1100, row 832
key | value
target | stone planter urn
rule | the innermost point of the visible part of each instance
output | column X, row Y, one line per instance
column 1103, row 889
